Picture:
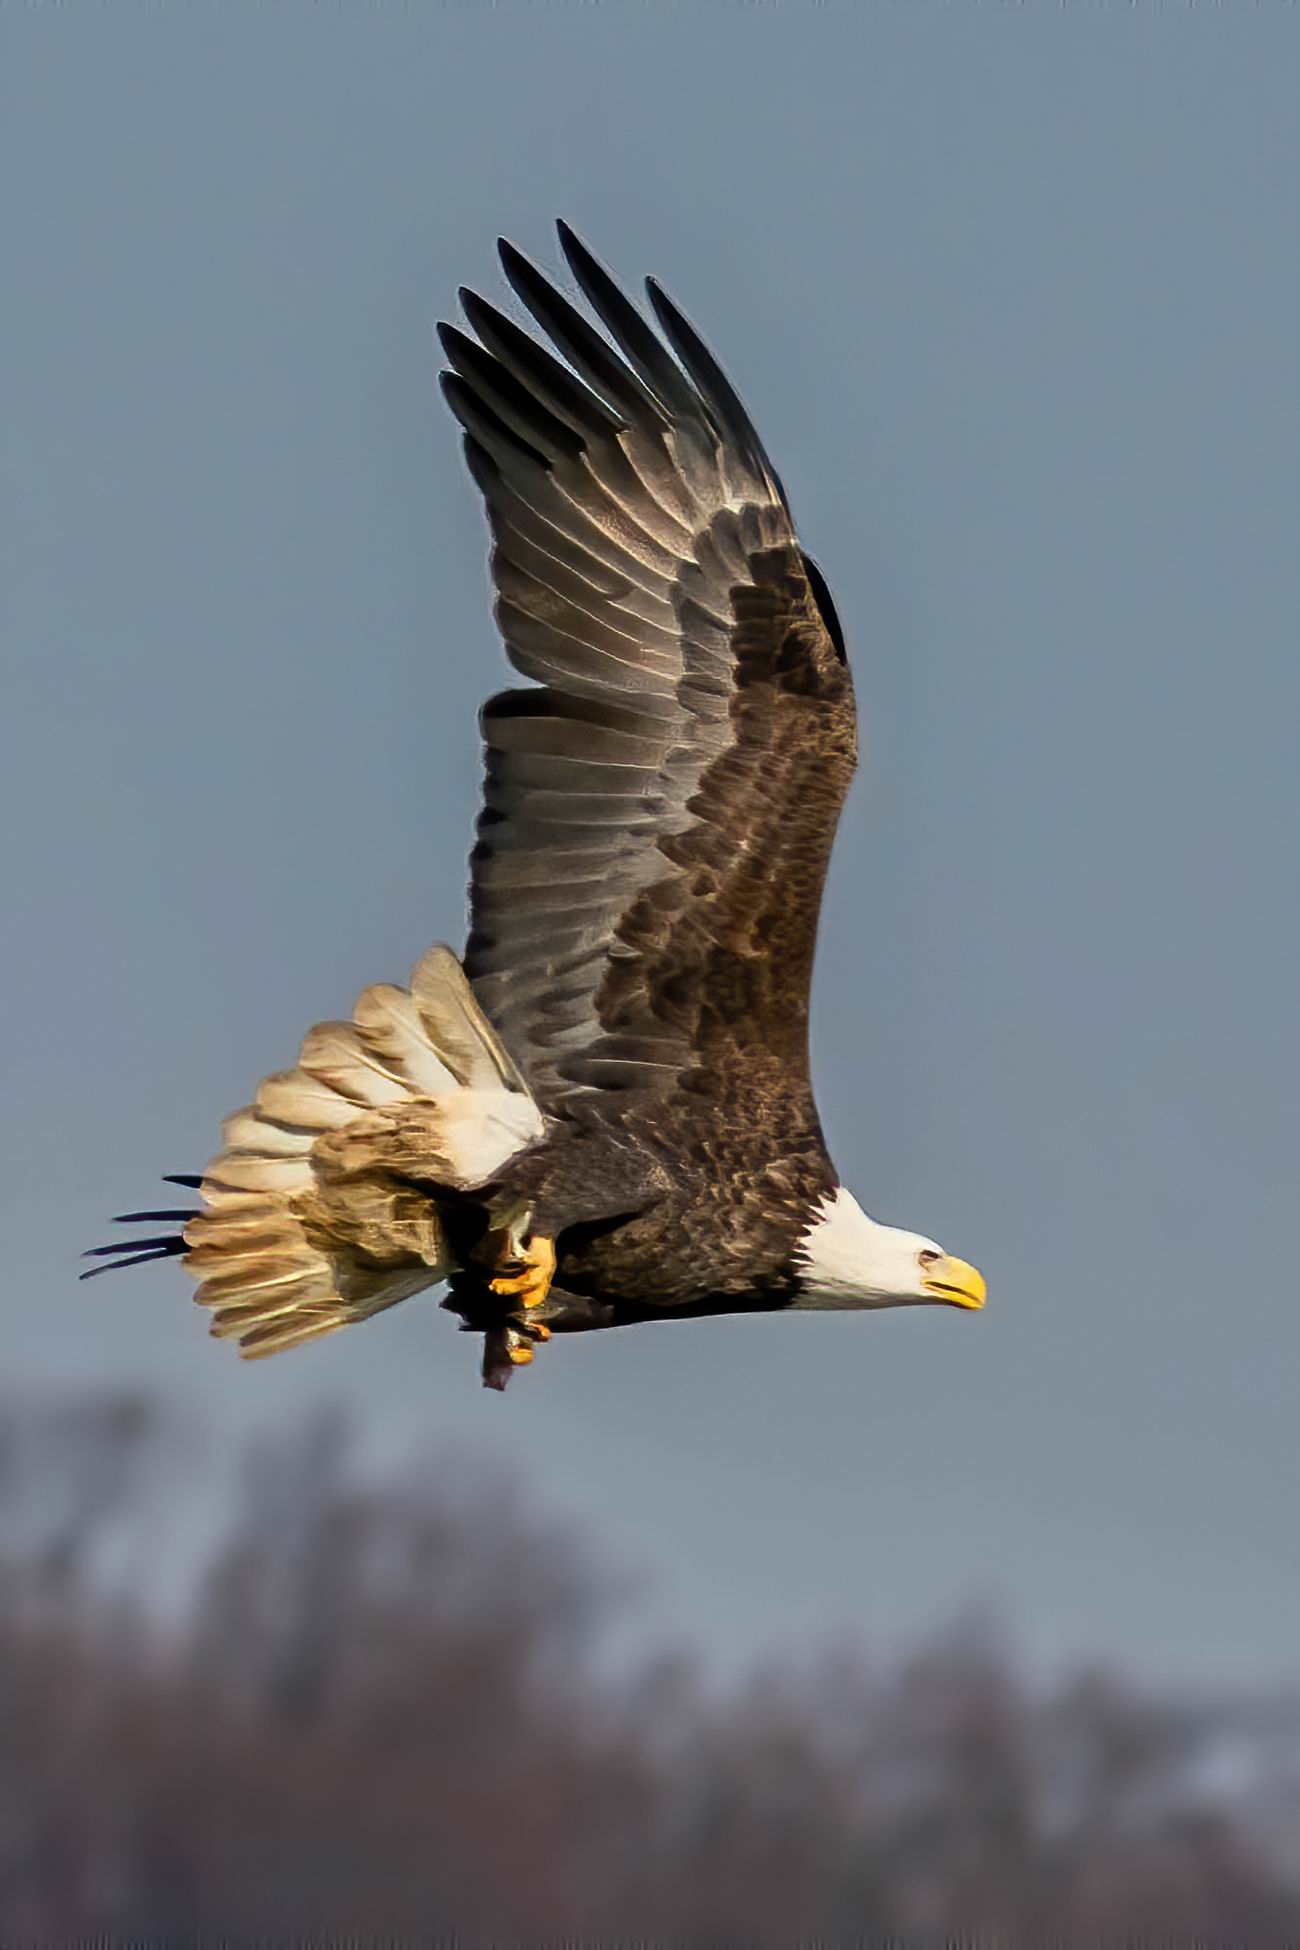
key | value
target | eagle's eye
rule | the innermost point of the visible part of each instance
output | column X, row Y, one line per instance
column 928, row 1258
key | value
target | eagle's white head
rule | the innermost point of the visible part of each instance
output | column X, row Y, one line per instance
column 846, row 1259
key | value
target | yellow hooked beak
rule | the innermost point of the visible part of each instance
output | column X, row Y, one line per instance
column 955, row 1281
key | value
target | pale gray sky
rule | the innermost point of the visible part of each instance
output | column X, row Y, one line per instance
column 1013, row 293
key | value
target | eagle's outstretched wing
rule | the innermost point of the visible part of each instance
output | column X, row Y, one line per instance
column 659, row 810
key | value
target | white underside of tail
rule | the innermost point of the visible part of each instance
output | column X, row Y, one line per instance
column 308, row 1222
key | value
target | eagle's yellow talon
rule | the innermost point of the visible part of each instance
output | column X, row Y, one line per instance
column 523, row 1279
column 506, row 1284
column 532, row 1284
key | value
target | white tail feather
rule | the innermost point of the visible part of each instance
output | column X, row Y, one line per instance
column 336, row 1055
column 310, row 1220
column 395, row 1031
column 464, row 1037
column 292, row 1095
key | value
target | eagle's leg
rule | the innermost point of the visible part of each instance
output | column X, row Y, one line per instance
column 522, row 1263
column 525, row 1262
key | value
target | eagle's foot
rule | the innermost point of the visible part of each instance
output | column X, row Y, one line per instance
column 525, row 1270
column 521, row 1272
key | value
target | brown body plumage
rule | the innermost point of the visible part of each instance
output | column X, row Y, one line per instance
column 719, row 1167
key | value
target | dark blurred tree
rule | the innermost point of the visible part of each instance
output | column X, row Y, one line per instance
column 380, row 1717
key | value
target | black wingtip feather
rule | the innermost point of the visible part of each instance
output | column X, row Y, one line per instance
column 512, row 404
column 725, row 403
column 137, row 1218
column 581, row 344
column 562, row 391
column 484, row 426
column 138, row 1252
column 629, row 330
column 513, row 261
column 163, row 1243
column 170, row 1251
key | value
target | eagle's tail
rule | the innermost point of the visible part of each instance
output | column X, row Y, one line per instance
column 322, row 1208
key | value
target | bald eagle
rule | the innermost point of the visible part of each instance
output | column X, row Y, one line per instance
column 603, row 1113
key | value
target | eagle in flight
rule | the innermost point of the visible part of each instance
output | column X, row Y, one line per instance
column 603, row 1112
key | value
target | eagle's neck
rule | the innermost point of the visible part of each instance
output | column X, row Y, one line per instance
column 845, row 1258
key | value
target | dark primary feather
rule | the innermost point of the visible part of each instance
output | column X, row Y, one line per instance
column 728, row 411
column 569, row 331
column 631, row 334
column 135, row 1252
column 169, row 1251
column 134, row 1218
column 659, row 811
column 532, row 363
column 166, row 1244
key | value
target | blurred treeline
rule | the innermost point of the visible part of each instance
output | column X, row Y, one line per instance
column 385, row 1711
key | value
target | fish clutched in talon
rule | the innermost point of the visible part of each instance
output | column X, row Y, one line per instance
column 508, row 1347
column 521, row 1338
